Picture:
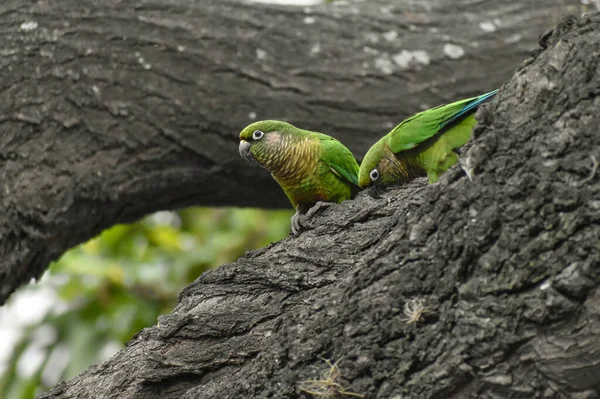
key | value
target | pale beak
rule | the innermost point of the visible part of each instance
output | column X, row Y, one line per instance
column 245, row 151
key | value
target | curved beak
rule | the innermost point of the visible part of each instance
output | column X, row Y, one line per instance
column 245, row 151
column 373, row 191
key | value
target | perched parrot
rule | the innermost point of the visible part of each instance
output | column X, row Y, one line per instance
column 310, row 167
column 421, row 145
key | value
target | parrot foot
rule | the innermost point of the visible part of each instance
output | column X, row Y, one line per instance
column 465, row 165
column 320, row 205
column 296, row 227
column 302, row 215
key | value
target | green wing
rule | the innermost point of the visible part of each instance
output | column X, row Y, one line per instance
column 339, row 159
column 422, row 126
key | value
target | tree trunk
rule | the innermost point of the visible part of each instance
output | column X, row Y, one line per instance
column 114, row 109
column 505, row 262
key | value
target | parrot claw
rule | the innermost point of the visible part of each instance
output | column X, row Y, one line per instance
column 296, row 227
column 317, row 207
column 302, row 214
column 465, row 165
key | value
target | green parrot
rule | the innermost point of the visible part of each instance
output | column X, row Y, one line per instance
column 311, row 168
column 421, row 145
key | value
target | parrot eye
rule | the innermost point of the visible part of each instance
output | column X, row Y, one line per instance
column 257, row 135
column 374, row 175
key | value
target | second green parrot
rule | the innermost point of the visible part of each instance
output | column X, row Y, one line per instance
column 310, row 167
column 421, row 145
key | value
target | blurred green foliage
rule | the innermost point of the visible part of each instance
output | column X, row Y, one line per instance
column 118, row 283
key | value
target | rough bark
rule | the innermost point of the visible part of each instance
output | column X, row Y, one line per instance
column 113, row 109
column 507, row 261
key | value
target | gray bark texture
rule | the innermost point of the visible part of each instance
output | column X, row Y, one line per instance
column 505, row 259
column 110, row 110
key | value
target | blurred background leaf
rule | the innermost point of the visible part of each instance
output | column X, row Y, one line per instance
column 97, row 295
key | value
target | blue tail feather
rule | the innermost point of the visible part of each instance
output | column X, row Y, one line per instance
column 469, row 108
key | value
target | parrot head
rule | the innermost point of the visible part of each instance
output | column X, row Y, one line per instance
column 263, row 141
column 377, row 168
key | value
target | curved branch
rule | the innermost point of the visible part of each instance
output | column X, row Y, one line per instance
column 111, row 109
column 505, row 262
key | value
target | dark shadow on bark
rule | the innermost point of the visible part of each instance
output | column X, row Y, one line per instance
column 507, row 263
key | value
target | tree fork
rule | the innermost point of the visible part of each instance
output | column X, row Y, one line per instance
column 505, row 262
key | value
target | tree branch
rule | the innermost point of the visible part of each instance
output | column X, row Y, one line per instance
column 110, row 110
column 506, row 263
